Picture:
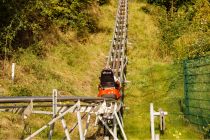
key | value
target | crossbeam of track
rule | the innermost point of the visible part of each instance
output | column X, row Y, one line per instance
column 101, row 110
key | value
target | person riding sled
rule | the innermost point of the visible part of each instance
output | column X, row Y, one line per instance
column 109, row 86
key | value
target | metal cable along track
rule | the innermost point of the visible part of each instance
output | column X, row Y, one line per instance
column 105, row 112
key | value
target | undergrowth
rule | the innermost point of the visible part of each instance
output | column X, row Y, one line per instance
column 184, row 28
column 155, row 78
column 70, row 64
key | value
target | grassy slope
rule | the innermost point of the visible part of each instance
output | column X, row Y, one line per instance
column 70, row 65
column 152, row 80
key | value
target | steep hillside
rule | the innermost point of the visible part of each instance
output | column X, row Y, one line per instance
column 70, row 64
column 154, row 79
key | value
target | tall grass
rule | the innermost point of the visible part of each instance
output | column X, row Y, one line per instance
column 71, row 64
column 154, row 78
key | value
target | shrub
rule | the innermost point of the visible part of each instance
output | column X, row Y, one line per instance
column 19, row 91
column 186, row 32
column 24, row 21
column 102, row 2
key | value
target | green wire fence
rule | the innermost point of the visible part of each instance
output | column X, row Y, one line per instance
column 197, row 92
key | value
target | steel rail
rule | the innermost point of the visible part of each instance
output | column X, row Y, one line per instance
column 116, row 59
column 110, row 50
column 44, row 106
column 28, row 99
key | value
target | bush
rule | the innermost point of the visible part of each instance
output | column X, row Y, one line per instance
column 24, row 21
column 192, row 45
column 102, row 2
column 186, row 32
column 20, row 91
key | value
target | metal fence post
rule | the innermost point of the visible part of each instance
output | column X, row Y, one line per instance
column 13, row 72
column 161, row 114
column 152, row 125
column 186, row 100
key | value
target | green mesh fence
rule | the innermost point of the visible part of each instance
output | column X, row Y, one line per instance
column 197, row 92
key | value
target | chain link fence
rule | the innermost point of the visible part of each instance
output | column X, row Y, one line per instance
column 197, row 92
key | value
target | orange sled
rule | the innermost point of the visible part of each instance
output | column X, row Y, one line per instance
column 109, row 93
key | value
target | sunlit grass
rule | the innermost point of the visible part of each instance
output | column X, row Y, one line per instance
column 153, row 79
column 71, row 65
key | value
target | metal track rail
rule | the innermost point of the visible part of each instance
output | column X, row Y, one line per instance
column 28, row 99
column 117, row 59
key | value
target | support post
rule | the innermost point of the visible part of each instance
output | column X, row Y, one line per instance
column 27, row 112
column 54, row 106
column 87, row 124
column 96, row 122
column 115, row 126
column 13, row 72
column 120, row 125
column 79, row 122
column 162, row 120
column 161, row 114
column 186, row 98
column 107, row 127
column 152, row 125
column 65, row 128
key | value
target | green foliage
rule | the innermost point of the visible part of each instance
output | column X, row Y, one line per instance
column 102, row 2
column 20, row 91
column 170, row 5
column 192, row 45
column 207, row 132
column 184, row 28
column 24, row 21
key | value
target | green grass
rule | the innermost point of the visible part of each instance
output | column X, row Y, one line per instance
column 153, row 80
column 71, row 65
